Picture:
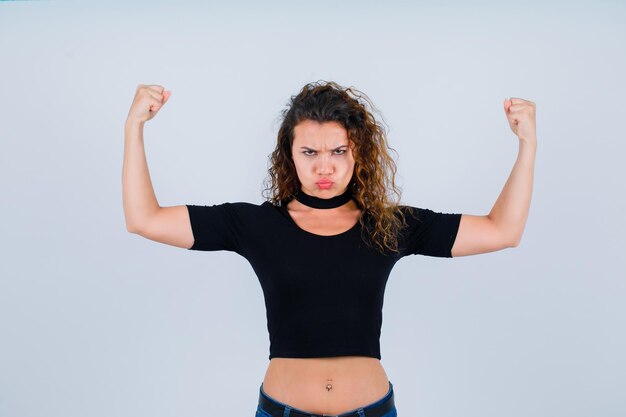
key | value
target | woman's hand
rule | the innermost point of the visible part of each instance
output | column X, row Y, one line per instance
column 147, row 102
column 521, row 116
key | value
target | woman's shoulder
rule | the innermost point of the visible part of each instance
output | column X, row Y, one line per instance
column 236, row 207
column 246, row 205
column 414, row 212
column 247, row 209
column 416, row 216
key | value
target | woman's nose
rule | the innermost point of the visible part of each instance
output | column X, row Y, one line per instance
column 324, row 165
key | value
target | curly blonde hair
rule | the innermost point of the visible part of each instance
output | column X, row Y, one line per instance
column 373, row 181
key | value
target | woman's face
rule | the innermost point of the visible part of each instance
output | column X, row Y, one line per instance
column 323, row 158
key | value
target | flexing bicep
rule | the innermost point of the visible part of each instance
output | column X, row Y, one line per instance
column 169, row 225
column 478, row 234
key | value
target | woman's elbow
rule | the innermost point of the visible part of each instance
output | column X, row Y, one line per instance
column 514, row 241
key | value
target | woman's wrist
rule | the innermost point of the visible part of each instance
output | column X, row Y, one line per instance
column 133, row 123
column 529, row 142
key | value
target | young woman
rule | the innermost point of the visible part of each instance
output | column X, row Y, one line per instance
column 325, row 241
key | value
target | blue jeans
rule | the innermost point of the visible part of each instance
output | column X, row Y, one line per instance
column 289, row 411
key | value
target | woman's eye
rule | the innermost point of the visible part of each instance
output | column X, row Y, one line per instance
column 342, row 151
column 305, row 152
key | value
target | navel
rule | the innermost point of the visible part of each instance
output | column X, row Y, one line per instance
column 329, row 384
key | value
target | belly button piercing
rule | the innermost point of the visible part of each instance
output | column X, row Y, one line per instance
column 329, row 385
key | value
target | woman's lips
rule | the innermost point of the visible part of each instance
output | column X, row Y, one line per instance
column 324, row 184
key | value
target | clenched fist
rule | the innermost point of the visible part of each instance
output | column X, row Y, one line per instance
column 521, row 116
column 147, row 102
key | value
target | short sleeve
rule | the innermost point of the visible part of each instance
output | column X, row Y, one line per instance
column 428, row 232
column 218, row 227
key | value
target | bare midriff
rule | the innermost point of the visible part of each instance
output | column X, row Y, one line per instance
column 326, row 385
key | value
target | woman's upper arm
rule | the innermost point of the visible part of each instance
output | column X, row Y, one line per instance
column 478, row 234
column 169, row 225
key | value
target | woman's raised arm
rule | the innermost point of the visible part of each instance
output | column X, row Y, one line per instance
column 504, row 225
column 140, row 203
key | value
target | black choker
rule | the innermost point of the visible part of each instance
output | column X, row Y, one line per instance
column 323, row 203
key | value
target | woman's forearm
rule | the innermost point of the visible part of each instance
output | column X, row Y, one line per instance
column 137, row 193
column 510, row 210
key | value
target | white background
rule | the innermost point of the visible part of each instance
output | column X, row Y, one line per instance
column 96, row 321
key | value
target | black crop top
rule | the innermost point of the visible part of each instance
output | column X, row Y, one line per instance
column 323, row 294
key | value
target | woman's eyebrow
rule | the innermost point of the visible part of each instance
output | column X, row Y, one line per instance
column 311, row 149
